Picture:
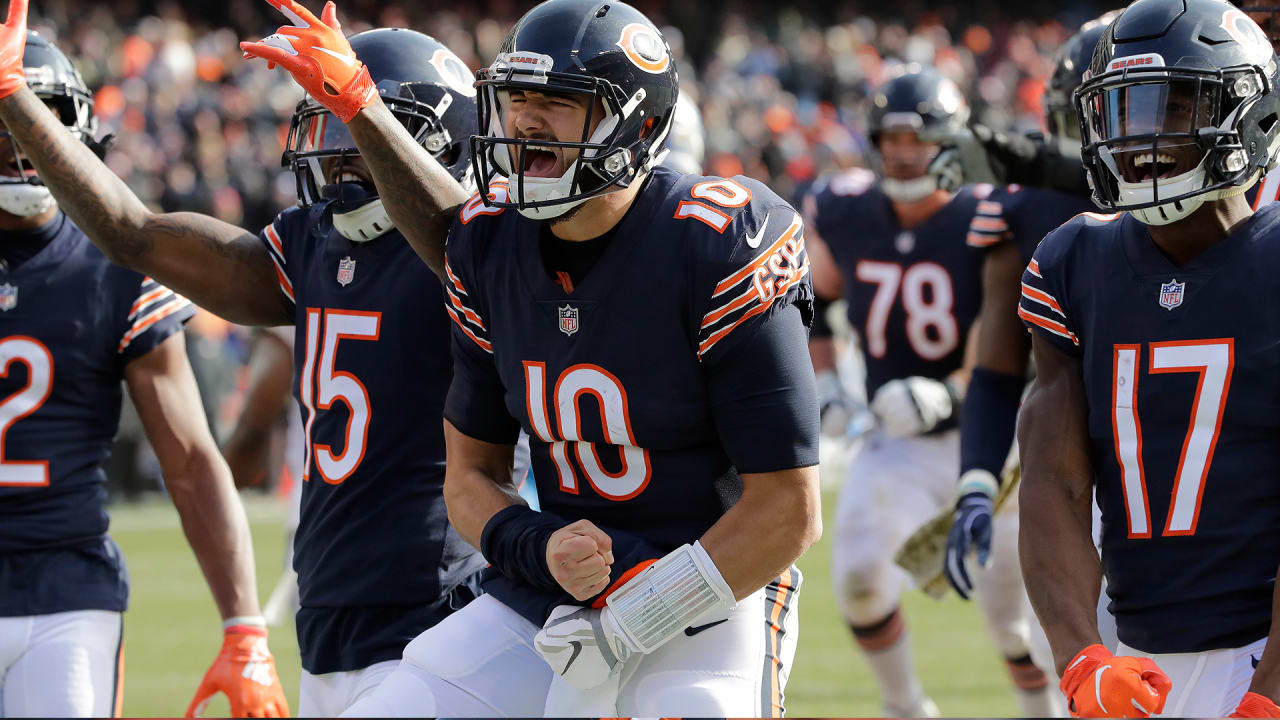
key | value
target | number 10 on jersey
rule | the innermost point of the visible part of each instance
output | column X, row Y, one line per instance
column 615, row 414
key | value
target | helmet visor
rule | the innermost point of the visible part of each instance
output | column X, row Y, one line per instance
column 1149, row 127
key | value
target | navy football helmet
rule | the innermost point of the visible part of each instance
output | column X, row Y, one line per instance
column 426, row 86
column 1074, row 59
column 57, row 82
column 1179, row 107
column 927, row 103
column 608, row 52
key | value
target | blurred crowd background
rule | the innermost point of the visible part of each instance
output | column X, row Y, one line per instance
column 782, row 88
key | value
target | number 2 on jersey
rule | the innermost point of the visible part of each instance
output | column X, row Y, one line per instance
column 321, row 387
column 608, row 392
column 39, row 362
column 1213, row 360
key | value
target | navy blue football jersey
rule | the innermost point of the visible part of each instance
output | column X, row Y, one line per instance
column 1024, row 215
column 912, row 294
column 1182, row 377
column 70, row 322
column 677, row 363
column 371, row 368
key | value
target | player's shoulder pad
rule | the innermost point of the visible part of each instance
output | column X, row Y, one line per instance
column 749, row 260
column 1081, row 234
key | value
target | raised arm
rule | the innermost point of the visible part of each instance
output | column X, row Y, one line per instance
column 420, row 196
column 219, row 266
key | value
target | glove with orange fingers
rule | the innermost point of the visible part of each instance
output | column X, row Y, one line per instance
column 319, row 57
column 246, row 673
column 1099, row 684
column 13, row 42
column 1253, row 705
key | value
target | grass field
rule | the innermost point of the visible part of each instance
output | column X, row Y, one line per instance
column 172, row 631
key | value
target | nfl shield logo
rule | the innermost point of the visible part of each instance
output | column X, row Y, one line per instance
column 8, row 297
column 346, row 271
column 568, row 320
column 1171, row 294
column 905, row 242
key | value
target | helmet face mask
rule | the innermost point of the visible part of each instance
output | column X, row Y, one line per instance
column 1160, row 141
column 914, row 112
column 617, row 63
column 53, row 79
column 426, row 87
column 1060, row 117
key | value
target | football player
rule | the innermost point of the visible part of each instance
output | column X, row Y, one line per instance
column 647, row 329
column 1155, row 351
column 1008, row 226
column 894, row 248
column 72, row 328
column 377, row 562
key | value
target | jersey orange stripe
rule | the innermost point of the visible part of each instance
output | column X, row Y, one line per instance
column 473, row 318
column 147, row 299
column 989, row 224
column 1043, row 298
column 719, row 335
column 274, row 238
column 746, row 271
column 1043, row 322
column 976, row 239
column 486, row 346
column 285, row 285
column 1034, row 267
column 736, row 304
column 453, row 278
column 173, row 306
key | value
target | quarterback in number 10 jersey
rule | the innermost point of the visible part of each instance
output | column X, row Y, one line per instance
column 1182, row 374
column 639, row 389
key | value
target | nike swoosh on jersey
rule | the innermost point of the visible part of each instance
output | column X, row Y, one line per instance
column 691, row 631
column 577, row 649
column 755, row 240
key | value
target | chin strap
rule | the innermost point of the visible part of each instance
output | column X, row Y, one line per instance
column 909, row 191
column 367, row 222
column 24, row 199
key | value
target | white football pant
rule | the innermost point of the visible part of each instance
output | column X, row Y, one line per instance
column 481, row 662
column 67, row 664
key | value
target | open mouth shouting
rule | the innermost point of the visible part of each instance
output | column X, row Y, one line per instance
column 541, row 162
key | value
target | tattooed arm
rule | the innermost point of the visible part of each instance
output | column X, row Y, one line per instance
column 420, row 196
column 219, row 266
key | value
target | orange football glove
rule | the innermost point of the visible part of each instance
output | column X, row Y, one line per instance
column 1253, row 705
column 13, row 42
column 315, row 52
column 1099, row 684
column 246, row 673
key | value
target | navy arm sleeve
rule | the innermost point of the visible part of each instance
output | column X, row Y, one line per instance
column 476, row 403
column 754, row 346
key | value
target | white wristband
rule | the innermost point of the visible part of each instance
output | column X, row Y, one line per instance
column 668, row 596
column 979, row 481
column 248, row 620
